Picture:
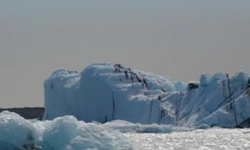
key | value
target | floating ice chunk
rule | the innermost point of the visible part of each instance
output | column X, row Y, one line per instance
column 15, row 130
column 64, row 133
column 94, row 136
column 60, row 131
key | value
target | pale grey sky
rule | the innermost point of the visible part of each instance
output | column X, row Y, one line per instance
column 177, row 38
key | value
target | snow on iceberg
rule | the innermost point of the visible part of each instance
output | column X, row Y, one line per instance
column 104, row 92
column 64, row 133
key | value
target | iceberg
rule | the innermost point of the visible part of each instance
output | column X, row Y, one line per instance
column 62, row 133
column 104, row 92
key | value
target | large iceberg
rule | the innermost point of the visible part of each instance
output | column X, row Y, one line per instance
column 104, row 92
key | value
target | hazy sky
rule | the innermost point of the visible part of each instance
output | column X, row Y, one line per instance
column 180, row 39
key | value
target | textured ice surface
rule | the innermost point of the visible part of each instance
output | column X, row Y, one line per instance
column 66, row 133
column 63, row 133
column 208, row 139
column 104, row 92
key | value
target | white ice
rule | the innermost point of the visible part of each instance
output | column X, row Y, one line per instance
column 66, row 133
column 104, row 92
column 62, row 133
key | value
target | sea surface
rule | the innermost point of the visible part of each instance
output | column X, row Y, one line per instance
column 200, row 139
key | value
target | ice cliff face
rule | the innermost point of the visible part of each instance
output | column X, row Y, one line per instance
column 103, row 92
